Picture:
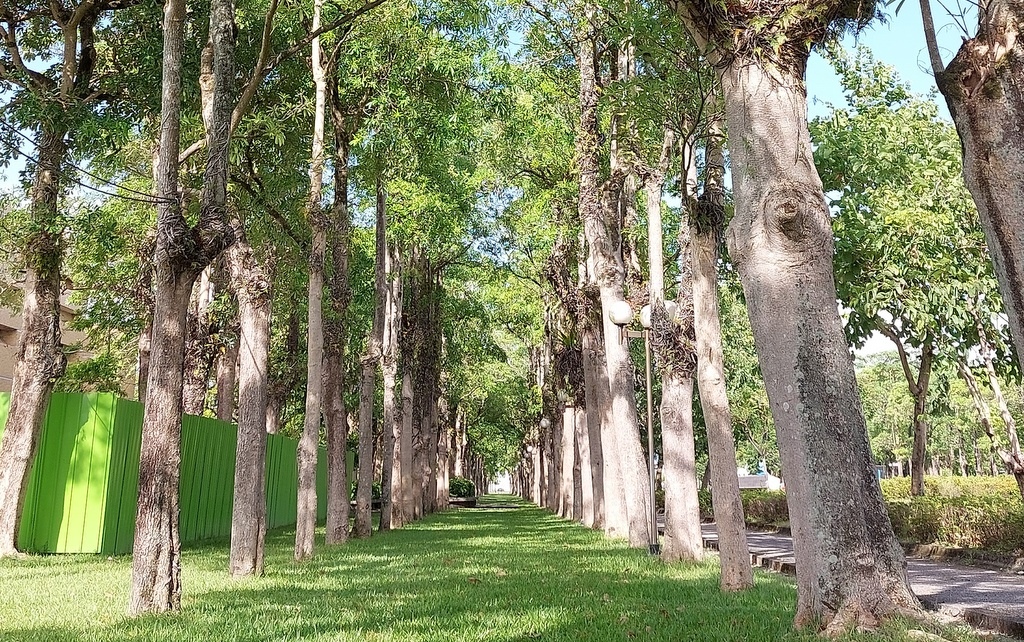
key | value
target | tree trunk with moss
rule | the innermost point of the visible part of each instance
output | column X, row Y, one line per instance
column 391, row 430
column 609, row 273
column 309, row 441
column 851, row 571
column 984, row 89
column 368, row 378
column 337, row 323
column 251, row 286
column 39, row 361
column 705, row 232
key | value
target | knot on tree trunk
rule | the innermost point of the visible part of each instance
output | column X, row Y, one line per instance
column 795, row 216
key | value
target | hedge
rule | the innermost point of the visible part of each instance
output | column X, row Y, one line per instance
column 461, row 487
column 1000, row 485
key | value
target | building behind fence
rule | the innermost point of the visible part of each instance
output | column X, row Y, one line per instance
column 82, row 493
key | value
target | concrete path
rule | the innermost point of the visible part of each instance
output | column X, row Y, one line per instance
column 986, row 598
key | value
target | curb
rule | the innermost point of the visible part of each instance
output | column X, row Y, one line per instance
column 977, row 617
column 777, row 563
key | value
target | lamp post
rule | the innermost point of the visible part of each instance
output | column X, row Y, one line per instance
column 645, row 321
column 621, row 314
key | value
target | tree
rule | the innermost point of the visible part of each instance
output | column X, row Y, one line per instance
column 55, row 103
column 309, row 442
column 781, row 243
column 598, row 202
column 904, row 216
column 182, row 251
column 982, row 86
column 706, row 232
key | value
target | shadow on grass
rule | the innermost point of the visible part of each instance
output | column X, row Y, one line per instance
column 502, row 575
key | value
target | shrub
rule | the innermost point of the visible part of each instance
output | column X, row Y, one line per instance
column 376, row 492
column 461, row 487
column 760, row 507
column 963, row 512
column 1001, row 485
column 993, row 522
column 765, row 507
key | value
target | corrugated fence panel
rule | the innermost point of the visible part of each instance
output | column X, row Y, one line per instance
column 321, row 485
column 64, row 508
column 82, row 493
column 207, row 477
column 123, row 489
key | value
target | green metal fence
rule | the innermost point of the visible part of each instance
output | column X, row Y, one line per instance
column 82, row 494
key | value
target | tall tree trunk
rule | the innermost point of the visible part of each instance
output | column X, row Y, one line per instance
column 568, row 461
column 309, row 441
column 539, row 470
column 609, row 274
column 39, row 360
column 392, row 428
column 251, row 287
column 919, row 454
column 227, row 378
column 428, row 392
column 705, row 233
column 368, row 381
column 918, row 388
column 442, row 455
column 554, row 456
column 851, row 569
column 430, row 491
column 335, row 344
column 677, row 362
column 584, row 492
column 984, row 89
column 407, row 493
column 592, row 361
column 181, row 254
column 580, row 483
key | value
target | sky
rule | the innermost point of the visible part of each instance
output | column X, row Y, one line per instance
column 898, row 42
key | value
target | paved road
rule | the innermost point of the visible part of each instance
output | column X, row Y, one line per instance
column 987, row 598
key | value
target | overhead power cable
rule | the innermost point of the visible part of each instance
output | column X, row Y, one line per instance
column 143, row 197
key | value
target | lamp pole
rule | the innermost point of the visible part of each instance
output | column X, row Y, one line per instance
column 645, row 320
column 621, row 315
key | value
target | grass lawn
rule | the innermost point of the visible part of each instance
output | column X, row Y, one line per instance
column 468, row 574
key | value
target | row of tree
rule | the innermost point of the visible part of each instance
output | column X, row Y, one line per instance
column 908, row 263
column 391, row 217
column 222, row 277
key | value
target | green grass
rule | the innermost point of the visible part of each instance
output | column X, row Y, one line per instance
column 486, row 574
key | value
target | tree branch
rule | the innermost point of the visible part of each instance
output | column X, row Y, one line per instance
column 265, row 65
column 888, row 333
column 929, row 37
column 275, row 213
column 9, row 34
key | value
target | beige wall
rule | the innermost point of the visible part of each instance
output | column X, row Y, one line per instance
column 10, row 328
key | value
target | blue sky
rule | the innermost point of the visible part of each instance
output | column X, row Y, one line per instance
column 898, row 42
